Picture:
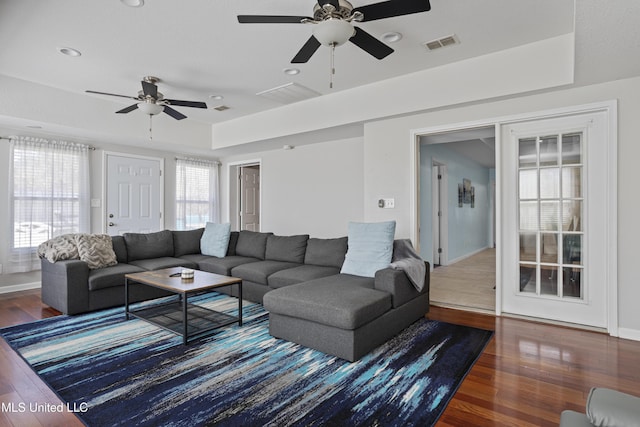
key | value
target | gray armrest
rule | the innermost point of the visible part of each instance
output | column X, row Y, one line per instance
column 64, row 285
column 398, row 285
column 612, row 408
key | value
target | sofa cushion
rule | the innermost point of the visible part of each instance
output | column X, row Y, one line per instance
column 336, row 301
column 96, row 250
column 370, row 248
column 303, row 273
column 258, row 272
column 149, row 245
column 120, row 248
column 215, row 239
column 109, row 277
column 163, row 262
column 224, row 265
column 326, row 252
column 252, row 244
column 233, row 241
column 197, row 258
column 286, row 248
column 186, row 242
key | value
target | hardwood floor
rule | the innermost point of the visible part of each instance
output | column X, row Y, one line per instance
column 526, row 376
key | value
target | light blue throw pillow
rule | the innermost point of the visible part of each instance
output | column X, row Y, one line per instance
column 215, row 239
column 370, row 248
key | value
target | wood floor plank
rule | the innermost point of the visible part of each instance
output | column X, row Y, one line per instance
column 528, row 374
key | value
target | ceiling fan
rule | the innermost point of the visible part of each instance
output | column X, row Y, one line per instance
column 152, row 102
column 333, row 20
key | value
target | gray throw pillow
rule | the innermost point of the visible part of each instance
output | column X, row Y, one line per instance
column 149, row 245
column 252, row 244
column 186, row 242
column 326, row 252
column 287, row 248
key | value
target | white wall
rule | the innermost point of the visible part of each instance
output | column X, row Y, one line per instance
column 387, row 148
column 312, row 189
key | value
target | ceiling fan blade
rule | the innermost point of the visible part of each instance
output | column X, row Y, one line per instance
column 110, row 94
column 307, row 51
column 391, row 8
column 194, row 104
column 149, row 89
column 129, row 109
column 173, row 113
column 274, row 19
column 370, row 44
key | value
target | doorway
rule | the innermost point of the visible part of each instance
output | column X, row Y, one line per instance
column 456, row 204
column 134, row 189
column 555, row 212
column 245, row 195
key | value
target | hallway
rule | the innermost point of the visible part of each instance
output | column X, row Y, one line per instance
column 467, row 284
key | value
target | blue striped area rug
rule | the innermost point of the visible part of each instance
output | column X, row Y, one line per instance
column 131, row 373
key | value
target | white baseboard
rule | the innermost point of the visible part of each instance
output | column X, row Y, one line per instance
column 629, row 334
column 21, row 287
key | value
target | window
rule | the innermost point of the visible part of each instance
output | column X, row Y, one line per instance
column 49, row 195
column 550, row 215
column 196, row 193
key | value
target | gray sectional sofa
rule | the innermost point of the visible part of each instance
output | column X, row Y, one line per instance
column 296, row 278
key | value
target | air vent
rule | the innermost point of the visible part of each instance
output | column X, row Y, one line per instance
column 289, row 93
column 442, row 42
column 221, row 108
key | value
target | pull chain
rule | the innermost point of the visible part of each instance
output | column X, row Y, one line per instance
column 150, row 128
column 333, row 68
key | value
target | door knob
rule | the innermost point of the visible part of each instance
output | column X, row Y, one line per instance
column 111, row 224
column 110, row 215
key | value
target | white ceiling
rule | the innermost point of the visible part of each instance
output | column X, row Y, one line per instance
column 198, row 48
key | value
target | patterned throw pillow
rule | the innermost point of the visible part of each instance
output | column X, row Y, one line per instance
column 59, row 248
column 96, row 250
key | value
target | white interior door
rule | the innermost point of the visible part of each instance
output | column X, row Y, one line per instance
column 554, row 219
column 250, row 198
column 134, row 196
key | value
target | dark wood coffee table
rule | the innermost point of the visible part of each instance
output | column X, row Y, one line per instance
column 181, row 317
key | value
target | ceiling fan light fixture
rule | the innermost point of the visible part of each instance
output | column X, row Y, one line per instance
column 150, row 108
column 392, row 37
column 333, row 32
column 133, row 3
column 69, row 51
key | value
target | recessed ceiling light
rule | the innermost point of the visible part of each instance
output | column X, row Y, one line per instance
column 216, row 97
column 291, row 71
column 133, row 3
column 392, row 37
column 69, row 51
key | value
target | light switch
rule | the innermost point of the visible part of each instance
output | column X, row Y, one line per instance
column 387, row 203
column 96, row 203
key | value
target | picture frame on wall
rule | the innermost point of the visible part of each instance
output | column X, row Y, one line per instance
column 466, row 183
